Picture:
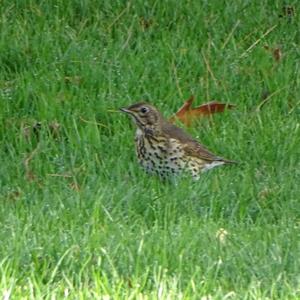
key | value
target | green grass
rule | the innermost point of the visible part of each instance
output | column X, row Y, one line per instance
column 79, row 218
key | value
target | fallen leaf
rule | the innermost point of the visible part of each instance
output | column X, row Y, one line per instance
column 183, row 111
column 276, row 52
column 186, row 114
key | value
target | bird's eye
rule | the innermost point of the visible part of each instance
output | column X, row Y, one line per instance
column 144, row 110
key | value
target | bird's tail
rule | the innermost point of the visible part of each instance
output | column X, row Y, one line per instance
column 227, row 161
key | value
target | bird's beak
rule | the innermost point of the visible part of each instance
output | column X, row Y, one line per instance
column 125, row 110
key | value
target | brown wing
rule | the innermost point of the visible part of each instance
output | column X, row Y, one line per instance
column 192, row 146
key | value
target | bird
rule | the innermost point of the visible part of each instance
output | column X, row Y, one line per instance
column 165, row 149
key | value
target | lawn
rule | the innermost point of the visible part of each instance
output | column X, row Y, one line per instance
column 79, row 217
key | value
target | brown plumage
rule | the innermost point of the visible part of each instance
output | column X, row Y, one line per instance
column 164, row 148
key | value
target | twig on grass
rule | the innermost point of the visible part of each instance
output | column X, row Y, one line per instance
column 92, row 122
column 267, row 99
column 258, row 41
column 28, row 173
column 231, row 34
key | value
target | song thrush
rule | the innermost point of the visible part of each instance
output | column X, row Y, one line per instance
column 164, row 148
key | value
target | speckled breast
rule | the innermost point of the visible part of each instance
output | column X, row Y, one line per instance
column 164, row 157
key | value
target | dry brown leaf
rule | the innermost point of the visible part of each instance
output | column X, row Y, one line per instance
column 276, row 52
column 186, row 114
column 183, row 113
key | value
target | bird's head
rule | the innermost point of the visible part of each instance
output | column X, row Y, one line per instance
column 145, row 115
